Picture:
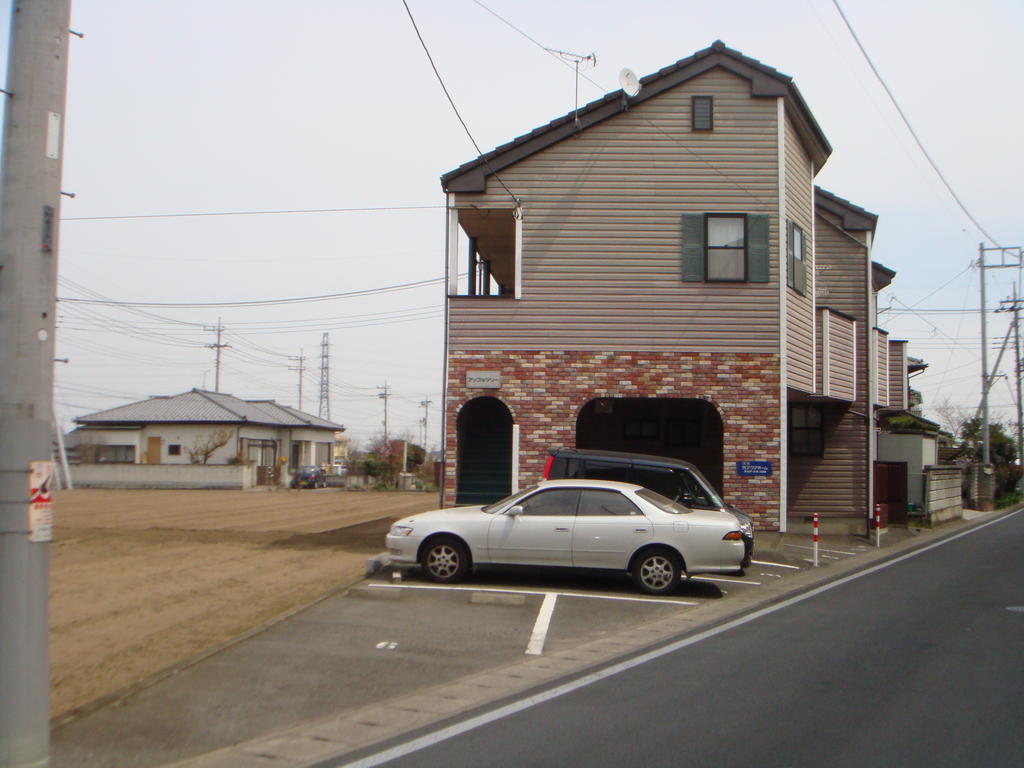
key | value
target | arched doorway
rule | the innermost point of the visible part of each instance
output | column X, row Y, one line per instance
column 484, row 472
column 688, row 429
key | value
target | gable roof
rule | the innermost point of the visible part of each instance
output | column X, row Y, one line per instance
column 201, row 407
column 764, row 82
column 854, row 218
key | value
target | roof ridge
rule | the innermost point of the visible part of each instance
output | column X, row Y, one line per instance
column 206, row 395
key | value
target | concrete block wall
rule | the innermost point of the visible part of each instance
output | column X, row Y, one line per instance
column 545, row 391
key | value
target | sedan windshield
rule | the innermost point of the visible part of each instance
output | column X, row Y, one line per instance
column 663, row 503
column 507, row 501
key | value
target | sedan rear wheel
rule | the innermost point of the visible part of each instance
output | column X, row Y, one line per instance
column 657, row 571
column 445, row 560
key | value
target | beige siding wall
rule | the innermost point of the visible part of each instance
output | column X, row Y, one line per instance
column 602, row 239
column 799, row 308
column 838, row 335
column 882, row 367
column 898, row 384
column 836, row 484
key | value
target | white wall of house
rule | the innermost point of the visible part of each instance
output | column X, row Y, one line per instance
column 176, row 440
column 919, row 451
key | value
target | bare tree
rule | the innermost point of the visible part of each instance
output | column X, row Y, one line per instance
column 952, row 417
column 204, row 447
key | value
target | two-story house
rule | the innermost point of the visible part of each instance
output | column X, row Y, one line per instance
column 657, row 273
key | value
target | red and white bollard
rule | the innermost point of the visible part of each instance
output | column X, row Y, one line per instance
column 878, row 525
column 815, row 539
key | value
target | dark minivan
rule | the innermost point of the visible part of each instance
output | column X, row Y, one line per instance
column 677, row 479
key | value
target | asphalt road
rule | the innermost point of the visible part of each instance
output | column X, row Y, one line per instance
column 916, row 663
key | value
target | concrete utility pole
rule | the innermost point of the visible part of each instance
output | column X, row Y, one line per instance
column 218, row 346
column 37, row 68
column 301, row 368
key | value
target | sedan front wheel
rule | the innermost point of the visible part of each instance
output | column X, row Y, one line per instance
column 445, row 560
column 657, row 571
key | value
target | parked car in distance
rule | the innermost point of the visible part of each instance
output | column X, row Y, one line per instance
column 309, row 477
column 679, row 480
column 574, row 523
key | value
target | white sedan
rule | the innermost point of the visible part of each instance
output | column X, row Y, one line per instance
column 574, row 523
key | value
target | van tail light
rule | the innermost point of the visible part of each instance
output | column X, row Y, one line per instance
column 733, row 536
column 547, row 467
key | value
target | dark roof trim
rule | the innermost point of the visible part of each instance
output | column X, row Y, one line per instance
column 764, row 82
column 854, row 218
column 839, row 312
column 881, row 276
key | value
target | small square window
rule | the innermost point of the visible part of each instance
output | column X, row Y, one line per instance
column 702, row 113
column 174, row 449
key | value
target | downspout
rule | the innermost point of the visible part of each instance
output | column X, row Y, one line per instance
column 451, row 245
column 783, row 325
column 872, row 369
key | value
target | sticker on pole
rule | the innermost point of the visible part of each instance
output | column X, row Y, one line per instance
column 40, row 505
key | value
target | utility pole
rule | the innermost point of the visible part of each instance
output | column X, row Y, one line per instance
column 987, row 479
column 325, row 377
column 1014, row 306
column 301, row 368
column 219, row 328
column 29, row 222
column 425, row 405
column 384, row 395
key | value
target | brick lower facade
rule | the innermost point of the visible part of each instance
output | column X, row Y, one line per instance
column 545, row 391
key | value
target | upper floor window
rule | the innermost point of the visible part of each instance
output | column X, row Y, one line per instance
column 725, row 247
column 796, row 258
column 702, row 113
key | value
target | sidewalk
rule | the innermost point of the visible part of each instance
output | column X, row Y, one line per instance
column 228, row 709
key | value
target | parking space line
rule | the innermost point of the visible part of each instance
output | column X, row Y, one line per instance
column 775, row 565
column 533, row 592
column 833, row 551
column 540, row 627
column 727, row 581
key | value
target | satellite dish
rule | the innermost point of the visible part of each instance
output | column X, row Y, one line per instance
column 629, row 82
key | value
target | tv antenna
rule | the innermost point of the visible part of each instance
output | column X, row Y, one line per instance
column 576, row 59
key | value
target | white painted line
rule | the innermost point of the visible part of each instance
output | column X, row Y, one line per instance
column 533, row 592
column 472, row 723
column 540, row 627
column 833, row 551
column 727, row 581
column 775, row 565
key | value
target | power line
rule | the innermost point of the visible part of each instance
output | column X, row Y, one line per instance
column 256, row 302
column 254, row 213
column 910, row 128
column 452, row 102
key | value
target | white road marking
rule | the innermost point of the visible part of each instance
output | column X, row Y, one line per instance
column 833, row 551
column 540, row 627
column 727, row 581
column 386, row 645
column 775, row 565
column 533, row 592
column 472, row 723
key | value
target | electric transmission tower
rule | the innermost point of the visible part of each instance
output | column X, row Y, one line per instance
column 325, row 377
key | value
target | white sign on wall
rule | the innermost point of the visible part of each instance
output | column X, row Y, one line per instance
column 483, row 379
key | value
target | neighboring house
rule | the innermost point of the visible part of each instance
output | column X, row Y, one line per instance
column 180, row 429
column 659, row 274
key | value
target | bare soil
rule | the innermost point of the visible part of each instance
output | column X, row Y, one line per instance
column 141, row 580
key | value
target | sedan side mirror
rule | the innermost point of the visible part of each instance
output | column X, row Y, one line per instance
column 515, row 510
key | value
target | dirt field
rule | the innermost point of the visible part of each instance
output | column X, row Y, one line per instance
column 140, row 580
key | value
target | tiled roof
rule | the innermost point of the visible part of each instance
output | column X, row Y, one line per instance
column 200, row 406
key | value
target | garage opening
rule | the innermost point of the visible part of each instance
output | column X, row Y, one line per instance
column 484, row 472
column 687, row 429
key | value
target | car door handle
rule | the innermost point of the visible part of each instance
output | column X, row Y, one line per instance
column 562, row 530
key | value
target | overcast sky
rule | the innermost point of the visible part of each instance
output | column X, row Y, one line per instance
column 223, row 106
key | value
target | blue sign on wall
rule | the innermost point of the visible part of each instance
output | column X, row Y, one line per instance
column 754, row 468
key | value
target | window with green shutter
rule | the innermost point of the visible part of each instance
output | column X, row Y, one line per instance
column 725, row 247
